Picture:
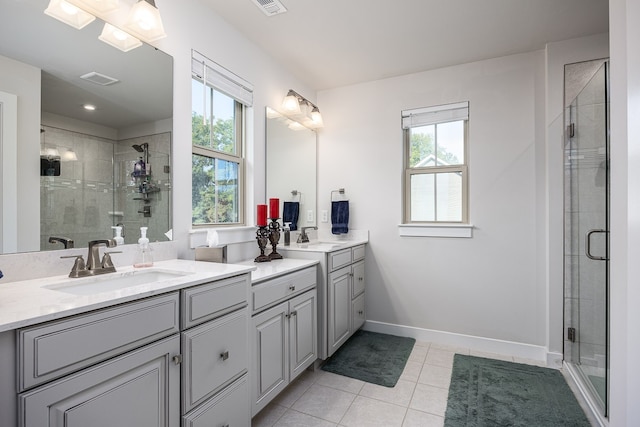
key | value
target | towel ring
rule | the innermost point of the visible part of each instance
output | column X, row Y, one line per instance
column 340, row 195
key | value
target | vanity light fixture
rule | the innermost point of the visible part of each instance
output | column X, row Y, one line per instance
column 144, row 21
column 69, row 14
column 297, row 107
column 118, row 38
column 96, row 7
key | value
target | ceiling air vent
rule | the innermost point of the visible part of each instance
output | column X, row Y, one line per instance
column 99, row 79
column 270, row 7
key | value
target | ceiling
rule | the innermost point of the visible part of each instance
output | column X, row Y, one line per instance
column 332, row 43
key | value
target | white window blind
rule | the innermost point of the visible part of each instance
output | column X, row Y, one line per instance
column 223, row 80
column 432, row 115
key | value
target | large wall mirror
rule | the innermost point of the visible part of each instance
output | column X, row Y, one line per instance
column 78, row 172
column 291, row 165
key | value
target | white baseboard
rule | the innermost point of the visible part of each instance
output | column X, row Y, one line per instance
column 487, row 345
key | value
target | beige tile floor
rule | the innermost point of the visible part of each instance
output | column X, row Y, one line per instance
column 322, row 399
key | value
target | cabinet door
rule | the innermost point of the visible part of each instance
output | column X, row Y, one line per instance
column 303, row 319
column 215, row 354
column 270, row 350
column 339, row 296
column 140, row 388
column 358, row 278
column 358, row 312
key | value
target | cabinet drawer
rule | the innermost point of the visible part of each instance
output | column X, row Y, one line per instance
column 206, row 302
column 229, row 408
column 339, row 259
column 53, row 349
column 358, row 278
column 357, row 253
column 280, row 288
column 215, row 354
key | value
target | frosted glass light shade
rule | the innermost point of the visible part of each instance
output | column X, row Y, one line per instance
column 290, row 104
column 96, row 7
column 316, row 118
column 69, row 156
column 118, row 38
column 69, row 14
column 144, row 22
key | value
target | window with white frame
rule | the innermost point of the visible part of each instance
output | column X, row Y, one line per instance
column 219, row 99
column 435, row 158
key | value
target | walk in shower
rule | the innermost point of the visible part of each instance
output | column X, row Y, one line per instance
column 586, row 229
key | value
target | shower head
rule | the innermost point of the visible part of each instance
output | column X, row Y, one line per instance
column 140, row 148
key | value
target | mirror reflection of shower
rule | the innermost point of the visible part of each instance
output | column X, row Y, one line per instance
column 142, row 173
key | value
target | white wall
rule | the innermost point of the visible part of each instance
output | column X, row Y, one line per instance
column 490, row 285
column 24, row 81
column 190, row 24
column 625, row 212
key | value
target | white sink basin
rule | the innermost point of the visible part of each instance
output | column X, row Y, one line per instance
column 321, row 246
column 114, row 281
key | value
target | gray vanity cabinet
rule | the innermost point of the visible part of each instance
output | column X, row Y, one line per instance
column 140, row 388
column 345, row 295
column 179, row 358
column 284, row 334
column 119, row 366
column 215, row 346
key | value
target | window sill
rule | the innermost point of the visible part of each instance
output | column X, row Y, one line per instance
column 221, row 236
column 436, row 230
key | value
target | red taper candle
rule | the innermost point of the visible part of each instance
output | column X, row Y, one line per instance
column 274, row 208
column 261, row 217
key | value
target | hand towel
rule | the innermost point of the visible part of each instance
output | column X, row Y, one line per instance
column 340, row 217
column 290, row 212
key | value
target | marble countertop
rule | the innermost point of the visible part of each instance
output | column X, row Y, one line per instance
column 269, row 270
column 28, row 302
column 323, row 245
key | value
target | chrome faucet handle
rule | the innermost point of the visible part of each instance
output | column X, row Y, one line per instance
column 106, row 259
column 303, row 237
column 78, row 265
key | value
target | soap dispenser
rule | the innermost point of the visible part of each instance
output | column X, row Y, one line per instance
column 118, row 237
column 287, row 234
column 143, row 256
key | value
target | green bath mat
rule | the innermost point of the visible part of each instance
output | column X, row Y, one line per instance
column 372, row 357
column 487, row 392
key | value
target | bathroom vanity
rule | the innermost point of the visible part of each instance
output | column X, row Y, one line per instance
column 283, row 326
column 173, row 351
column 341, row 287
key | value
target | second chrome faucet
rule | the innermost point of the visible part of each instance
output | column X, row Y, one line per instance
column 93, row 265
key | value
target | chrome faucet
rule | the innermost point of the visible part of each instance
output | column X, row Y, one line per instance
column 303, row 237
column 94, row 265
column 68, row 243
column 93, row 257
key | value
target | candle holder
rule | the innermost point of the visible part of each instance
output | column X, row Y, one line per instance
column 274, row 237
column 262, row 237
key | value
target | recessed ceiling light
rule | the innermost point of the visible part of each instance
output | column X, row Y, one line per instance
column 89, row 107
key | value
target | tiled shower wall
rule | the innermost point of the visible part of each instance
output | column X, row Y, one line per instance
column 97, row 191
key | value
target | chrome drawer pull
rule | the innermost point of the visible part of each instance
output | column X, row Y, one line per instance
column 224, row 355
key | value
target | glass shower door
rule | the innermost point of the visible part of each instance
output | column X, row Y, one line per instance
column 587, row 236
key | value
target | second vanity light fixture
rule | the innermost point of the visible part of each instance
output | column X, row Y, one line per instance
column 299, row 107
column 143, row 20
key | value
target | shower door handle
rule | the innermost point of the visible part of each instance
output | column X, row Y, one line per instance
column 588, row 246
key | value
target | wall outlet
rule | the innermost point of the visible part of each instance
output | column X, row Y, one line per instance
column 325, row 215
column 309, row 216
